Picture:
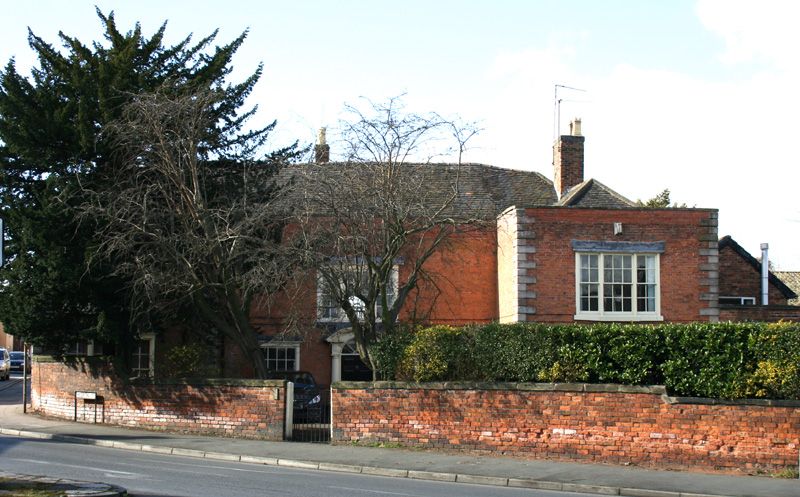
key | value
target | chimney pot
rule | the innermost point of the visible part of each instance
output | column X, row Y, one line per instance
column 575, row 127
column 322, row 151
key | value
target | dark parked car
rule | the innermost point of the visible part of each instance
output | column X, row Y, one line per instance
column 5, row 365
column 308, row 405
column 18, row 361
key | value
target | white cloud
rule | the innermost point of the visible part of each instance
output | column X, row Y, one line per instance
column 518, row 114
column 765, row 30
column 722, row 144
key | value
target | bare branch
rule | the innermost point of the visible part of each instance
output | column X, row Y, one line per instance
column 188, row 227
column 386, row 205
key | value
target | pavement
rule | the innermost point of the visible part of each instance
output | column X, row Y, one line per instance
column 407, row 463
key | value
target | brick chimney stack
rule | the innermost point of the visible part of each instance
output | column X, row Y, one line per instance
column 322, row 151
column 568, row 159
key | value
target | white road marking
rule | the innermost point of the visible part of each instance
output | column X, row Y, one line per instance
column 383, row 492
column 90, row 468
column 272, row 470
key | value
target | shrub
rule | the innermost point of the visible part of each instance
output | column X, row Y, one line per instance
column 707, row 360
column 505, row 353
column 776, row 347
column 627, row 354
column 439, row 353
column 724, row 360
column 388, row 352
column 188, row 361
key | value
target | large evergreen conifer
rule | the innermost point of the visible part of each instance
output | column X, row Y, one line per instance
column 54, row 148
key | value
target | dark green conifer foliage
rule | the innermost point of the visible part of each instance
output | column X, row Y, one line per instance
column 53, row 147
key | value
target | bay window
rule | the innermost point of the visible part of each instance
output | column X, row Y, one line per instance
column 616, row 283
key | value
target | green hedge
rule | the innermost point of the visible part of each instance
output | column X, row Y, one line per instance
column 725, row 360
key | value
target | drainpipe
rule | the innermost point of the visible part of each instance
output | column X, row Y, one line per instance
column 764, row 274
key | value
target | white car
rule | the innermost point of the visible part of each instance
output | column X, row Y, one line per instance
column 5, row 365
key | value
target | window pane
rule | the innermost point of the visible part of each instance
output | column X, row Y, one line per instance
column 589, row 297
column 646, row 299
column 627, row 298
column 140, row 358
column 280, row 358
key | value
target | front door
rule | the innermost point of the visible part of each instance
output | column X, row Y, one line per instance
column 352, row 367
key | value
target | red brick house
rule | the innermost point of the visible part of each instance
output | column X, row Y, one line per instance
column 568, row 250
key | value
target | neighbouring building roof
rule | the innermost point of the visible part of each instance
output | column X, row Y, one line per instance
column 792, row 280
column 729, row 242
column 592, row 193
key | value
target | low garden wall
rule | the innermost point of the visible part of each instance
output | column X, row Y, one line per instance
column 232, row 408
column 588, row 422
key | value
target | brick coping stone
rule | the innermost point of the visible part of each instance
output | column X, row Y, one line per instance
column 212, row 382
column 69, row 487
column 558, row 387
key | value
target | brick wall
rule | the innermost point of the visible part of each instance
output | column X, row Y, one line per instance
column 689, row 264
column 738, row 278
column 231, row 408
column 769, row 313
column 460, row 284
column 604, row 423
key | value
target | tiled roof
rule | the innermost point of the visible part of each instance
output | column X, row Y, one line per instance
column 592, row 193
column 484, row 188
column 490, row 189
column 792, row 280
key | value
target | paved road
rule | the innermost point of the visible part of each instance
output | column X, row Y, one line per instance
column 11, row 390
column 151, row 475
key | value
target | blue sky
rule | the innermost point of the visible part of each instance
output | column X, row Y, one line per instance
column 696, row 96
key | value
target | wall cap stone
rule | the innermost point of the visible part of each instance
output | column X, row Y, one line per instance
column 475, row 385
column 559, row 387
column 729, row 402
column 143, row 382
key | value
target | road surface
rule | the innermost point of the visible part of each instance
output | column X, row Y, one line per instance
column 151, row 475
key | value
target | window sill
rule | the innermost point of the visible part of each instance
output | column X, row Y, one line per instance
column 340, row 320
column 618, row 317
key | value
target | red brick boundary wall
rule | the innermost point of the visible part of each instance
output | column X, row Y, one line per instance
column 231, row 408
column 768, row 313
column 603, row 423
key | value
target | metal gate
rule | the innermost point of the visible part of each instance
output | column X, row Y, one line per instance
column 308, row 418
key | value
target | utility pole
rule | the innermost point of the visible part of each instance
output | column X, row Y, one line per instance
column 25, row 362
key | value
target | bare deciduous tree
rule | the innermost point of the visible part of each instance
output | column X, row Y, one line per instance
column 194, row 223
column 387, row 203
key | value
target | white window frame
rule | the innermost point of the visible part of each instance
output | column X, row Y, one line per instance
column 295, row 346
column 340, row 316
column 603, row 315
column 743, row 301
column 89, row 349
column 150, row 338
column 78, row 349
